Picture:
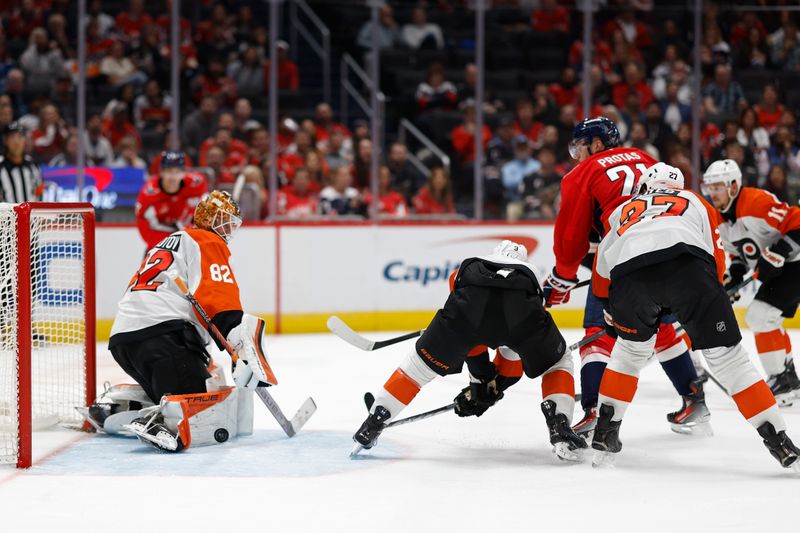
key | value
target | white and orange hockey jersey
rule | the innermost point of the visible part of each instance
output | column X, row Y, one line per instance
column 758, row 220
column 153, row 305
column 656, row 227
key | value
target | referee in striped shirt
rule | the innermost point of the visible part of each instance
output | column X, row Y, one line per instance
column 20, row 177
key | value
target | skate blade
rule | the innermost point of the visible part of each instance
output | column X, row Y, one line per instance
column 702, row 429
column 786, row 399
column 564, row 453
column 795, row 466
column 356, row 450
column 603, row 459
column 161, row 444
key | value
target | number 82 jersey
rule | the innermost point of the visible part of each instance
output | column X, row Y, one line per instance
column 153, row 305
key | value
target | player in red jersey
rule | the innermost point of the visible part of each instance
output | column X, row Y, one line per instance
column 604, row 178
column 166, row 202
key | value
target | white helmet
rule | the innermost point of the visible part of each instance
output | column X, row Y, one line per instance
column 724, row 171
column 661, row 176
column 512, row 250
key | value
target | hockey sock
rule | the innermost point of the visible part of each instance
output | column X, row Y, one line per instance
column 681, row 372
column 771, row 346
column 591, row 375
column 404, row 384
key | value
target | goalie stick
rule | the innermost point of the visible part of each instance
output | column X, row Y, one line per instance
column 338, row 327
column 290, row 427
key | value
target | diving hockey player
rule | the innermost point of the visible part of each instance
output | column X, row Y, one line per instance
column 663, row 254
column 496, row 302
column 604, row 178
column 159, row 341
column 762, row 233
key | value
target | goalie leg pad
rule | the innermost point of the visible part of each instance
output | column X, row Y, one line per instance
column 117, row 406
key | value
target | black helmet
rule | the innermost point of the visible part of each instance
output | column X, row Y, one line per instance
column 173, row 159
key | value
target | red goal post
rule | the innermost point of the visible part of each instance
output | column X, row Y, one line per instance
column 47, row 311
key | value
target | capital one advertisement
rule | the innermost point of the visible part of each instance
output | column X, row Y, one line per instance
column 104, row 188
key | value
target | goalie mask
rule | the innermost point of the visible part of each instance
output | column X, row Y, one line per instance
column 512, row 250
column 218, row 212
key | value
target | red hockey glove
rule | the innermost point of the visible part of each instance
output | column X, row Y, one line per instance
column 556, row 289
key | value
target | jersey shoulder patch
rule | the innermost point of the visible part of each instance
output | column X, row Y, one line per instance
column 753, row 202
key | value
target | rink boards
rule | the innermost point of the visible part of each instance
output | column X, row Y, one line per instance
column 391, row 276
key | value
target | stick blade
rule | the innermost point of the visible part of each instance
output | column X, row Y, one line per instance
column 305, row 412
column 337, row 326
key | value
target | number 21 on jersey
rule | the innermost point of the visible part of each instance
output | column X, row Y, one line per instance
column 626, row 172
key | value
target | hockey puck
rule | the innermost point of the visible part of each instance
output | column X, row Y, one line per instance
column 221, row 435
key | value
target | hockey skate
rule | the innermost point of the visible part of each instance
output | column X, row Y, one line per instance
column 150, row 429
column 566, row 444
column 785, row 386
column 693, row 418
column 780, row 446
column 585, row 428
column 367, row 435
column 606, row 441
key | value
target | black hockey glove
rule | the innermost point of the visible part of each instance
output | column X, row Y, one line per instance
column 477, row 398
column 733, row 276
column 770, row 264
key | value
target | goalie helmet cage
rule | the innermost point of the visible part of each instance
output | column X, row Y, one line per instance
column 47, row 311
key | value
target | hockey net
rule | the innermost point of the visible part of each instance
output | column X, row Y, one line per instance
column 47, row 341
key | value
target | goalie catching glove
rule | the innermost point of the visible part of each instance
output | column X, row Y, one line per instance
column 252, row 369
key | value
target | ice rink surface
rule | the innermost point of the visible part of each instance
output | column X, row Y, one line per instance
column 494, row 473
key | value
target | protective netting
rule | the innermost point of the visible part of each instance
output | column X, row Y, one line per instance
column 57, row 318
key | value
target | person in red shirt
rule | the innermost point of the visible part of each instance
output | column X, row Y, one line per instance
column 606, row 176
column 463, row 136
column 635, row 32
column 234, row 149
column 166, row 202
column 119, row 126
column 602, row 55
column 215, row 83
column 215, row 160
column 288, row 73
column 632, row 82
column 298, row 200
column 50, row 136
column 550, row 17
column 324, row 125
column 24, row 20
column 567, row 91
column 390, row 203
column 525, row 123
column 769, row 110
column 436, row 197
column 130, row 22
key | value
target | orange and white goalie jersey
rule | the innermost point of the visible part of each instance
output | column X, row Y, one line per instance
column 202, row 259
column 656, row 227
column 756, row 221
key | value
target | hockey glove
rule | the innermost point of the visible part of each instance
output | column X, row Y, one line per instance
column 477, row 398
column 556, row 289
column 253, row 369
column 733, row 276
column 770, row 264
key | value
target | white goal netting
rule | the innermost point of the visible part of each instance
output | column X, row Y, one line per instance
column 45, row 317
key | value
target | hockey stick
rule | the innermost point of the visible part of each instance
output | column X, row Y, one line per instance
column 291, row 427
column 338, row 327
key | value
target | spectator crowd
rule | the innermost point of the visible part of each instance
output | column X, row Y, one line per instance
column 640, row 77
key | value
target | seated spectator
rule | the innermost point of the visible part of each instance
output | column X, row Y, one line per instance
column 258, row 146
column 41, row 63
column 248, row 74
column 744, row 158
column 601, row 93
column 119, row 126
column 752, row 135
column 622, row 53
column 243, row 121
column 57, row 30
column 68, row 157
column 126, row 96
column 463, row 136
column 769, row 110
column 118, row 68
column 388, row 34
column 567, row 118
column 213, row 82
column 783, row 150
column 514, row 172
column 24, row 19
column 550, row 17
column 219, row 19
column 638, row 139
column 63, row 96
column 405, row 178
column 601, row 53
column 164, row 24
column 747, row 23
column 636, row 33
column 97, row 148
column 633, row 82
column 6, row 112
column 105, row 21
column 544, row 108
column 362, row 164
column 752, row 52
column 324, row 125
column 525, row 122
column 337, row 152
column 436, row 92
column 199, row 125
column 421, row 34
column 97, row 46
column 719, row 48
column 435, row 197
column 215, row 160
column 541, row 190
column 288, row 73
column 659, row 134
column 254, row 177
column 777, row 184
column 723, row 96
column 672, row 68
column 131, row 22
column 235, row 150
column 788, row 26
column 390, row 202
column 128, row 149
column 466, row 91
column 317, row 169
column 49, row 137
column 152, row 109
column 340, row 197
column 675, row 112
column 785, row 53
column 567, row 91
column 297, row 200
